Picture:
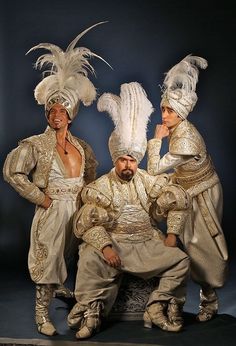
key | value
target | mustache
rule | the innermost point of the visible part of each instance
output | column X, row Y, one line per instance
column 127, row 170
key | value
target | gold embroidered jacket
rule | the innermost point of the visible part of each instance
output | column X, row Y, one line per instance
column 27, row 167
column 187, row 155
column 104, row 202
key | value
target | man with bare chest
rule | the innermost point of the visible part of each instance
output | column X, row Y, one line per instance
column 61, row 165
column 50, row 170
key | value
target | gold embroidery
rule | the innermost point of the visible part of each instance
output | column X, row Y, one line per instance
column 41, row 252
column 97, row 237
column 188, row 179
column 186, row 140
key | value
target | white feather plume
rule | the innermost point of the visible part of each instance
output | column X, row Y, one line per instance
column 67, row 70
column 134, row 115
column 184, row 75
column 111, row 104
column 130, row 113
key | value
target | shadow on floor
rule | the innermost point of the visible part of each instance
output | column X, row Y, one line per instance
column 17, row 326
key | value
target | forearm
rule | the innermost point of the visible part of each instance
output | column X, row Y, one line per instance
column 157, row 165
column 16, row 169
column 98, row 237
column 26, row 189
column 153, row 155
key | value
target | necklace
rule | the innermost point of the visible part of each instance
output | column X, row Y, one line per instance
column 65, row 151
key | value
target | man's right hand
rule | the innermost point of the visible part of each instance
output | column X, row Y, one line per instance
column 161, row 131
column 46, row 203
column 111, row 257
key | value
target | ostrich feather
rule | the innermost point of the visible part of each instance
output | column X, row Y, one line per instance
column 66, row 69
column 111, row 104
column 130, row 113
column 184, row 75
column 134, row 115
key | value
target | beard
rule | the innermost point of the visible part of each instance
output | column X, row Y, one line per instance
column 126, row 174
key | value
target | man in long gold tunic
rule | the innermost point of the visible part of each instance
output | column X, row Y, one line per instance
column 60, row 165
column 116, row 227
column 203, row 237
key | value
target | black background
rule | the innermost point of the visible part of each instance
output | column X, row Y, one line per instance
column 142, row 40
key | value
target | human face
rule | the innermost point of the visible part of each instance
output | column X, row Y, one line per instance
column 169, row 117
column 126, row 167
column 58, row 117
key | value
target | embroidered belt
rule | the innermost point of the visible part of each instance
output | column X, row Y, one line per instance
column 63, row 190
column 63, row 193
column 187, row 179
column 132, row 237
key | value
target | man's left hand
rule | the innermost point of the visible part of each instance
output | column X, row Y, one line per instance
column 171, row 240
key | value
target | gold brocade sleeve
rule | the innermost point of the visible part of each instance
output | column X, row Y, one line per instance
column 89, row 225
column 160, row 181
column 153, row 153
column 174, row 203
column 17, row 168
column 91, row 221
column 97, row 237
column 168, row 162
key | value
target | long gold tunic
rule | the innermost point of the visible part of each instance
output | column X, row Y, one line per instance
column 203, row 237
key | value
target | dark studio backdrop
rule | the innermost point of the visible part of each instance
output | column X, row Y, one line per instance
column 142, row 40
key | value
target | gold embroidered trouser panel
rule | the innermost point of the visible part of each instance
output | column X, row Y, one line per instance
column 52, row 242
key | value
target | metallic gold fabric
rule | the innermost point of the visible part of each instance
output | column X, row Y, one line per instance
column 186, row 140
column 35, row 154
column 188, row 178
column 129, row 228
column 106, row 202
column 203, row 236
column 52, row 238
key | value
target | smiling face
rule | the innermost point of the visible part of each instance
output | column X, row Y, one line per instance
column 126, row 167
column 58, row 117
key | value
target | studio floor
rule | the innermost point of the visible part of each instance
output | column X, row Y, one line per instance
column 17, row 325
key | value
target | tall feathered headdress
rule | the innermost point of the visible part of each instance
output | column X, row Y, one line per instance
column 66, row 81
column 130, row 113
column 179, row 86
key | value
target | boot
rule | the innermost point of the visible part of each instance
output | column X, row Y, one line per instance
column 63, row 292
column 44, row 295
column 92, row 321
column 75, row 318
column 156, row 314
column 208, row 304
column 65, row 295
column 174, row 313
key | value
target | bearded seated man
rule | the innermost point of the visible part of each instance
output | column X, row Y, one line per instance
column 118, row 237
column 115, row 225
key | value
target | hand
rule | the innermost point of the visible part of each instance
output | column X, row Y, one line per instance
column 111, row 257
column 161, row 131
column 171, row 240
column 47, row 202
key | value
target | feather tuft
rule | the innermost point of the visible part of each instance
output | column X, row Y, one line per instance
column 130, row 113
column 66, row 70
column 184, row 75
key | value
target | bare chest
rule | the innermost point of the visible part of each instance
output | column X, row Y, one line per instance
column 71, row 159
